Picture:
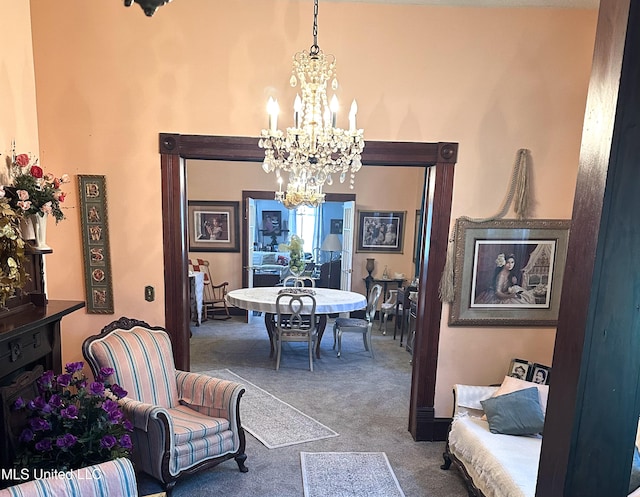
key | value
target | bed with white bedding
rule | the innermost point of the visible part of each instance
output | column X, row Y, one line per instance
column 493, row 465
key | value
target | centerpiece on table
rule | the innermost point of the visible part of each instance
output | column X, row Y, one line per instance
column 36, row 194
column 296, row 254
column 12, row 256
column 73, row 423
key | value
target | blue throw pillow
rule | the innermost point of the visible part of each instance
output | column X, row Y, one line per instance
column 634, row 481
column 515, row 413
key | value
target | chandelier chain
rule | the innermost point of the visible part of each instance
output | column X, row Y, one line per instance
column 315, row 49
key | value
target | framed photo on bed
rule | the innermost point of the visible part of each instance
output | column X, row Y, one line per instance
column 519, row 368
column 508, row 272
column 213, row 226
column 380, row 231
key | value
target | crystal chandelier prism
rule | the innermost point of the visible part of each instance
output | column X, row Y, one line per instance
column 314, row 149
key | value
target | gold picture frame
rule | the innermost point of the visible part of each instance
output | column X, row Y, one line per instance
column 508, row 272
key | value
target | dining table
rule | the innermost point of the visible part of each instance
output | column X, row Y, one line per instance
column 328, row 301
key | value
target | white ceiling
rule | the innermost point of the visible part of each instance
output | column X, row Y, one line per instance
column 565, row 4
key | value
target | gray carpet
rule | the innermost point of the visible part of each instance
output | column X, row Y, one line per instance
column 272, row 421
column 366, row 401
column 348, row 474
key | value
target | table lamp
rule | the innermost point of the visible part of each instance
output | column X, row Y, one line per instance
column 331, row 244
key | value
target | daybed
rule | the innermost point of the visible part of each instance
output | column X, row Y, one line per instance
column 271, row 263
column 493, row 464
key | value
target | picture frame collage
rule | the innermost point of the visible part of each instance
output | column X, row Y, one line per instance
column 529, row 371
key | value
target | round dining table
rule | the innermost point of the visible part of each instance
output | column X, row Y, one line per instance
column 328, row 301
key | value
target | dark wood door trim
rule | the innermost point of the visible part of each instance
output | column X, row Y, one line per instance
column 440, row 158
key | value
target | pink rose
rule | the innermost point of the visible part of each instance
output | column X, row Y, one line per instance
column 60, row 196
column 56, row 183
column 49, row 177
column 65, row 178
column 23, row 194
column 36, row 172
column 25, row 205
column 22, row 160
column 46, row 208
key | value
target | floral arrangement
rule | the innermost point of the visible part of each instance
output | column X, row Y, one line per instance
column 296, row 254
column 73, row 423
column 36, row 192
column 12, row 257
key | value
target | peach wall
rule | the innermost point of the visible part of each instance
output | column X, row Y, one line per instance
column 109, row 79
column 376, row 188
column 17, row 84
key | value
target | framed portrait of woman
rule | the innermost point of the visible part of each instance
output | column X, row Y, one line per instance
column 508, row 272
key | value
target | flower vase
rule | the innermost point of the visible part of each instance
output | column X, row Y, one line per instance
column 370, row 266
column 296, row 263
column 40, row 230
column 26, row 229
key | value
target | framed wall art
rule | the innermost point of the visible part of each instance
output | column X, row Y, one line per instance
column 519, row 368
column 95, row 241
column 271, row 223
column 336, row 227
column 213, row 226
column 508, row 272
column 380, row 231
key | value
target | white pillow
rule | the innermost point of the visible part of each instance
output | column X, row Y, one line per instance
column 511, row 384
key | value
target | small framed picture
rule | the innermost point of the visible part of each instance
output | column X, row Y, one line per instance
column 336, row 227
column 271, row 223
column 213, row 226
column 540, row 374
column 519, row 368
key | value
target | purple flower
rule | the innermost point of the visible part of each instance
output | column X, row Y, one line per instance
column 72, row 367
column 128, row 425
column 44, row 445
column 39, row 424
column 55, row 401
column 66, row 441
column 105, row 373
column 118, row 391
column 125, row 442
column 110, row 405
column 108, row 441
column 96, row 388
column 70, row 412
column 19, row 403
column 46, row 379
column 36, row 404
column 115, row 417
column 26, row 435
column 64, row 380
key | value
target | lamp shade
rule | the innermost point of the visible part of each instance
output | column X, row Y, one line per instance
column 331, row 243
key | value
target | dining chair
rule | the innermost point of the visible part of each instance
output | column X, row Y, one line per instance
column 389, row 306
column 182, row 421
column 299, row 281
column 214, row 299
column 295, row 322
column 357, row 325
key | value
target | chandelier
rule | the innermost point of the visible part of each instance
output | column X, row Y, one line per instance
column 313, row 149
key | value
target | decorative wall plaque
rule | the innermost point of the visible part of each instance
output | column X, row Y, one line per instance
column 95, row 242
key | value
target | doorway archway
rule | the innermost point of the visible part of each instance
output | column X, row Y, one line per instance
column 439, row 158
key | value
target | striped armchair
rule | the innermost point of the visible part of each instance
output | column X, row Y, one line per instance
column 114, row 478
column 183, row 422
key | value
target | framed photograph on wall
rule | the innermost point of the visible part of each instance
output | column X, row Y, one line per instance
column 336, row 227
column 520, row 369
column 380, row 231
column 508, row 272
column 271, row 223
column 213, row 226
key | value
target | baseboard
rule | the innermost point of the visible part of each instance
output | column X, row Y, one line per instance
column 430, row 428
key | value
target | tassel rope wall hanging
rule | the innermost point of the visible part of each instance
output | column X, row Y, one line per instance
column 518, row 194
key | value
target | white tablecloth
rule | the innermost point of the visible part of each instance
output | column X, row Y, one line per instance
column 328, row 301
column 196, row 281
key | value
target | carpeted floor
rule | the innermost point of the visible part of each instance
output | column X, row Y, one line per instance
column 365, row 401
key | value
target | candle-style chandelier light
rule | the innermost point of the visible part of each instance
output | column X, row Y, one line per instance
column 313, row 149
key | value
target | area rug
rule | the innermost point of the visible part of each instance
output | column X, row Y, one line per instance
column 348, row 474
column 272, row 421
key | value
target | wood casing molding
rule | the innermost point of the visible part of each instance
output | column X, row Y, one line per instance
column 439, row 158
